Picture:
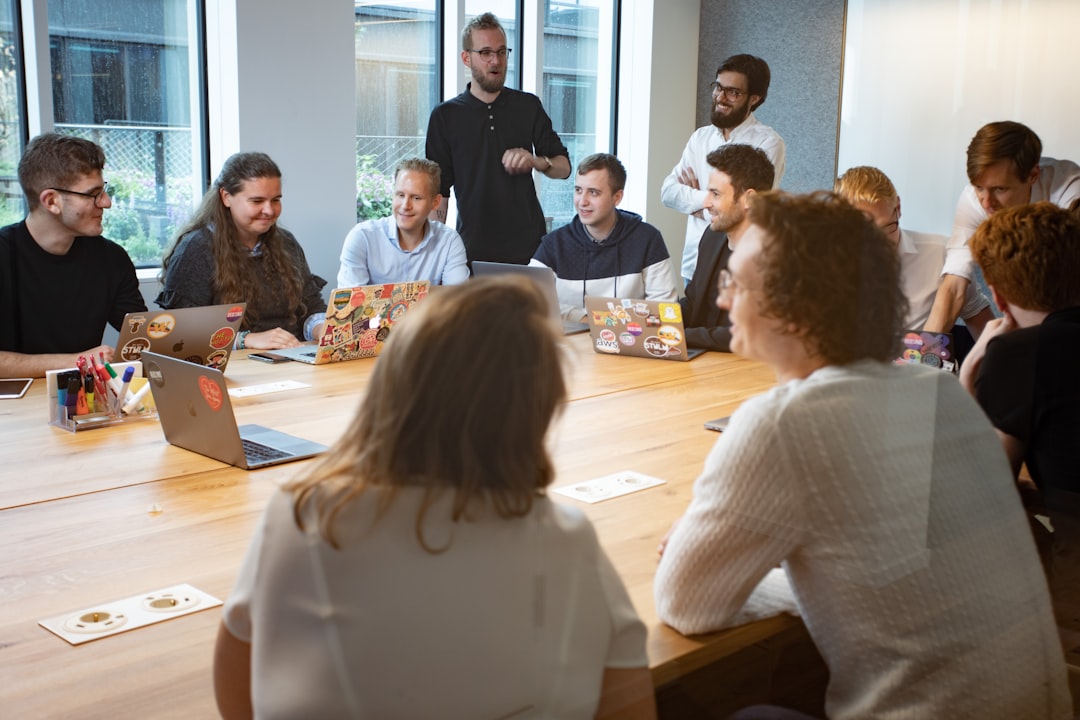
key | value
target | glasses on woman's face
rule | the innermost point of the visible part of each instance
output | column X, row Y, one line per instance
column 96, row 197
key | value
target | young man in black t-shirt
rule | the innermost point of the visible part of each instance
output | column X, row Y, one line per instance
column 60, row 281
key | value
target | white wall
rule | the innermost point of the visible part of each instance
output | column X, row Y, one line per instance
column 283, row 83
column 657, row 104
column 912, row 114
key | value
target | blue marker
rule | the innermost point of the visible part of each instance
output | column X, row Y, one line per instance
column 121, row 397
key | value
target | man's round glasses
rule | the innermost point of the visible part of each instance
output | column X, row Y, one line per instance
column 730, row 93
column 726, row 283
column 487, row 54
column 96, row 197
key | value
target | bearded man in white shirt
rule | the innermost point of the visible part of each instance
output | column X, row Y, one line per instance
column 741, row 86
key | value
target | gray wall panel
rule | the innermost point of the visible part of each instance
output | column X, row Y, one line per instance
column 802, row 40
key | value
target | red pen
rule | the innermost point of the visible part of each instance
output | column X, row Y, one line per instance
column 101, row 383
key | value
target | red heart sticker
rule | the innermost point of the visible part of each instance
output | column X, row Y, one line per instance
column 211, row 392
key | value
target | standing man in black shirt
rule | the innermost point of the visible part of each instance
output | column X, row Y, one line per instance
column 487, row 141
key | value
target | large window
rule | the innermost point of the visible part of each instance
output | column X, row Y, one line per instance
column 12, row 205
column 399, row 79
column 578, row 87
column 122, row 75
column 396, row 89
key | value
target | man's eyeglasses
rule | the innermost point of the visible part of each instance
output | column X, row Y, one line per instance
column 487, row 54
column 730, row 93
column 726, row 284
column 96, row 197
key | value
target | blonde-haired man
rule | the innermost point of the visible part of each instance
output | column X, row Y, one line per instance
column 407, row 245
column 921, row 254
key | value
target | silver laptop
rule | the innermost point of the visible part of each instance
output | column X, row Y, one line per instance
column 193, row 406
column 544, row 277
column 202, row 335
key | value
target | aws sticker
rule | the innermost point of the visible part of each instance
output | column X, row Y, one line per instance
column 161, row 326
column 627, row 339
column 656, row 347
column 211, row 393
column 133, row 349
column 606, row 342
column 669, row 334
column 222, row 338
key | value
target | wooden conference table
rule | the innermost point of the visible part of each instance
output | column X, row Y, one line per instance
column 77, row 527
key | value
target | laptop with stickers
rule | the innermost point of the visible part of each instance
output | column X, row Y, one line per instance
column 928, row 348
column 358, row 322
column 638, row 328
column 196, row 414
column 542, row 276
column 201, row 335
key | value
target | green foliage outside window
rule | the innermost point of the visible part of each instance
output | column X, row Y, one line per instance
column 374, row 191
column 137, row 221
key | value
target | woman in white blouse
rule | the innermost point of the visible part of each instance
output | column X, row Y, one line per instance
column 420, row 569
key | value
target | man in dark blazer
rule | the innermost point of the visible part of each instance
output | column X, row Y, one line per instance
column 738, row 171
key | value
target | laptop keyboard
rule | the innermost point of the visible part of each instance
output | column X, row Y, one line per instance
column 257, row 452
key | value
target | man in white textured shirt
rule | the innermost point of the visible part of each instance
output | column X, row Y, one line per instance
column 881, row 490
column 922, row 255
column 741, row 86
column 1005, row 167
column 407, row 245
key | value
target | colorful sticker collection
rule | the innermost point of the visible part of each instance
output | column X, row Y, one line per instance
column 163, row 324
column 926, row 348
column 359, row 324
column 622, row 324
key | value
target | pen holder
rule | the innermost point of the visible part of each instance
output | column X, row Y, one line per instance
column 65, row 415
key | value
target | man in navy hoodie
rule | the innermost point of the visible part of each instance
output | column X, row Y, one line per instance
column 604, row 251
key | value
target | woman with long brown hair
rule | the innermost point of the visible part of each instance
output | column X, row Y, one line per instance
column 420, row 568
column 232, row 250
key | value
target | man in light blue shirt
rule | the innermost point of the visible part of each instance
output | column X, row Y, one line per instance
column 407, row 245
